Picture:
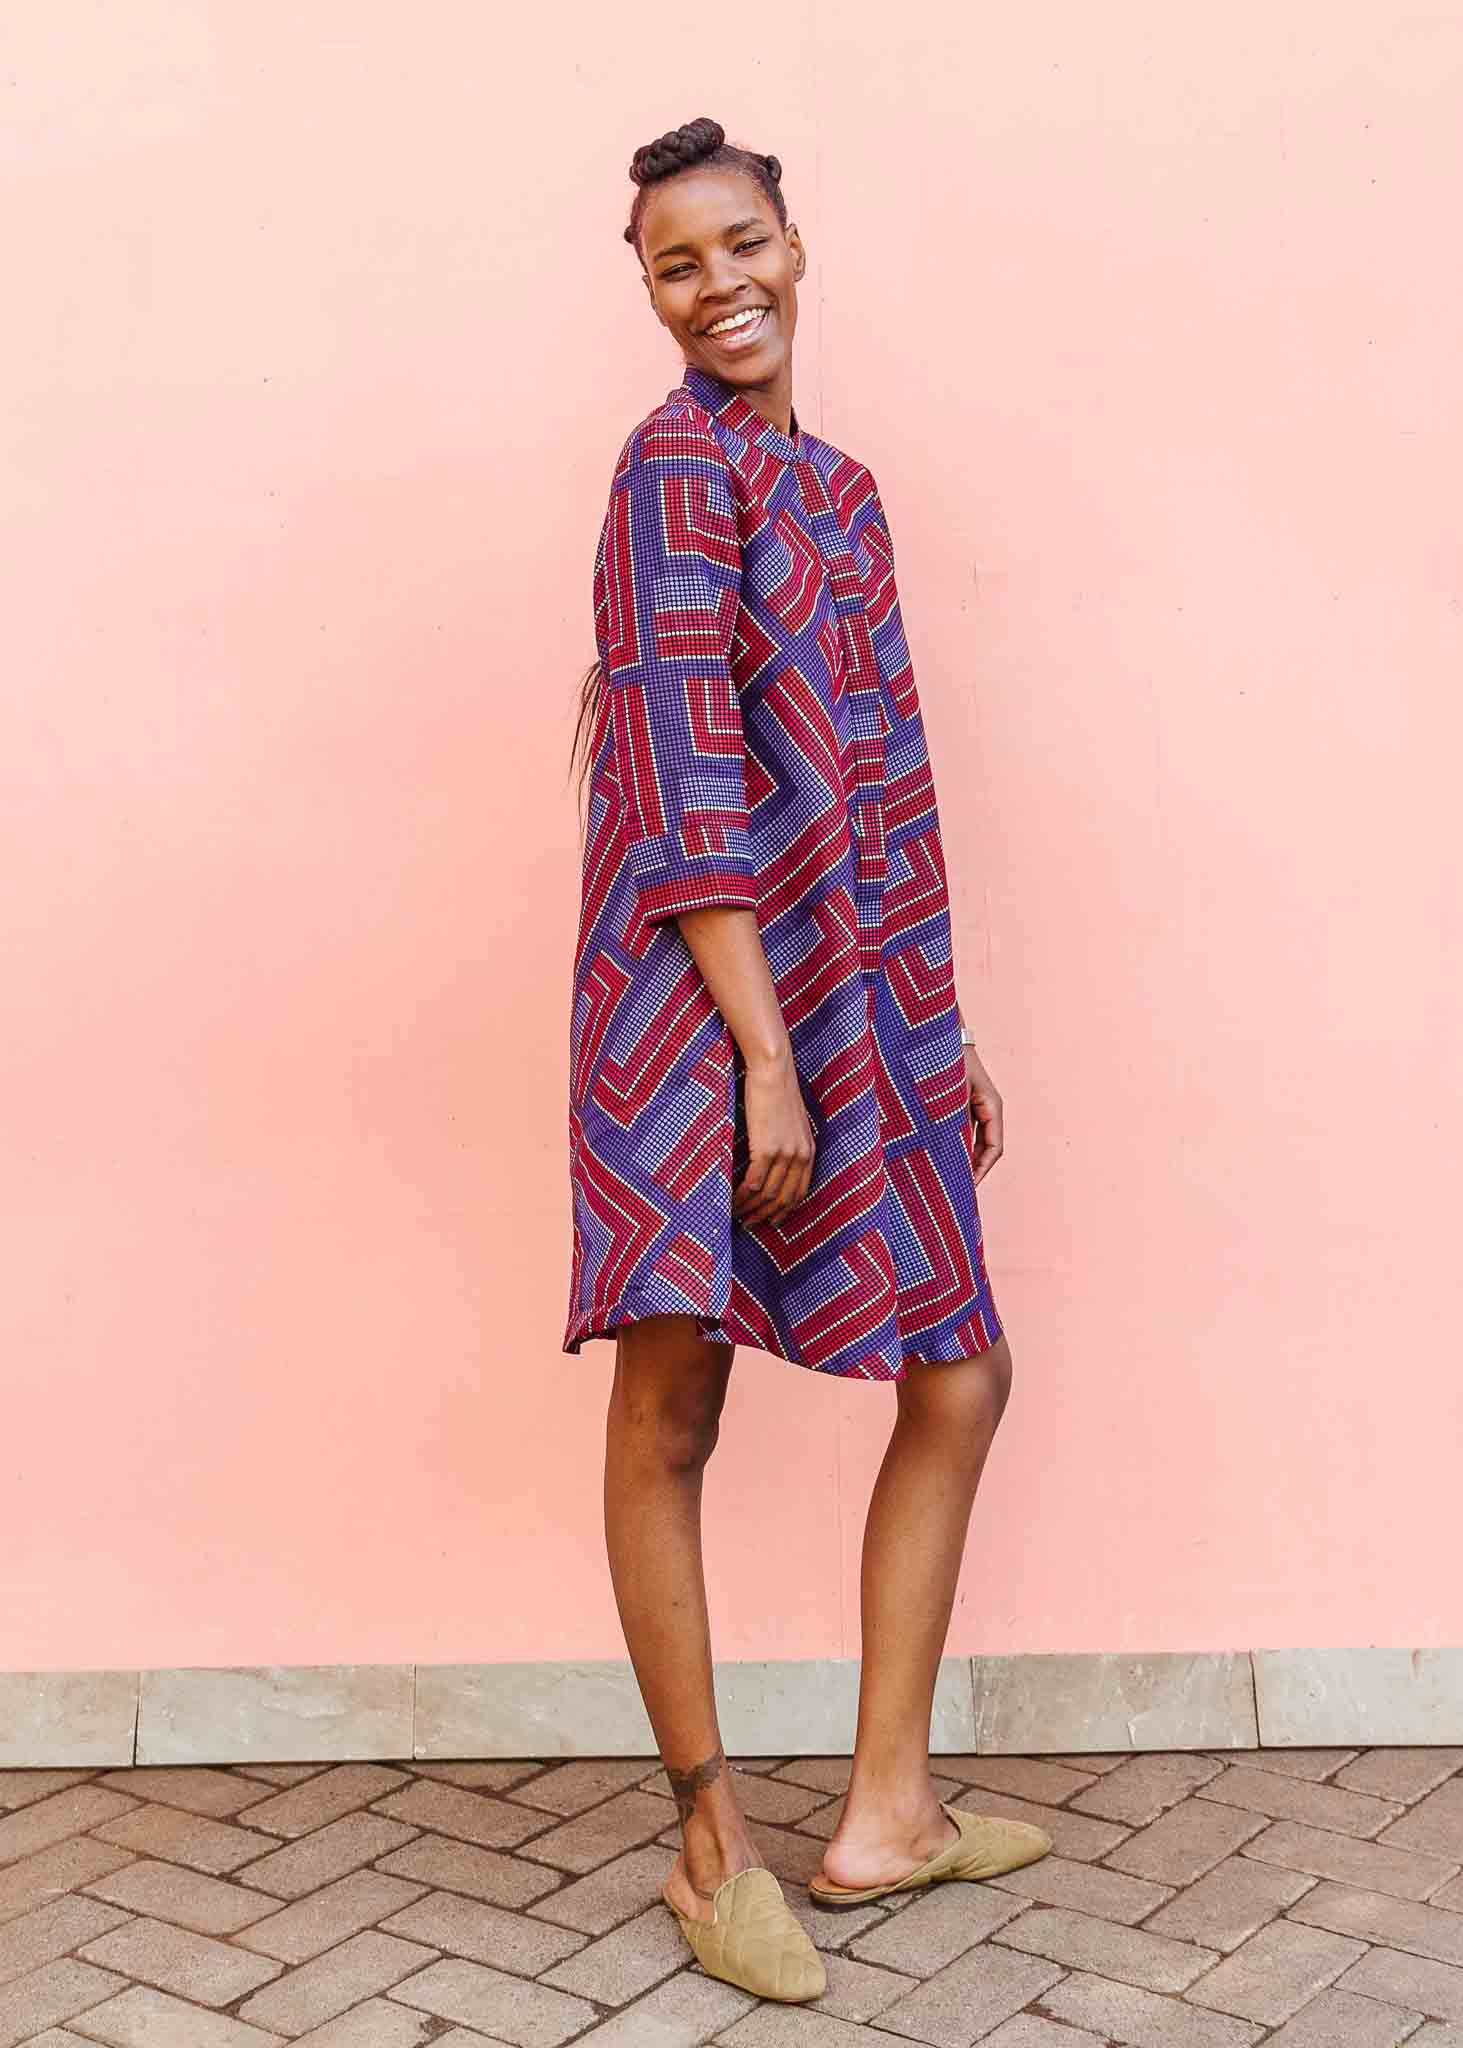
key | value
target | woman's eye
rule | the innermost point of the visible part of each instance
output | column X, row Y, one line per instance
column 681, row 268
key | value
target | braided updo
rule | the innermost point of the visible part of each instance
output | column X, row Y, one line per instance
column 689, row 146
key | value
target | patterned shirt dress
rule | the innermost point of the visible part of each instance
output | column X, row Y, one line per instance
column 759, row 743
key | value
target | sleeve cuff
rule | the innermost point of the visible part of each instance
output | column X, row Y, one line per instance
column 697, row 892
column 668, row 880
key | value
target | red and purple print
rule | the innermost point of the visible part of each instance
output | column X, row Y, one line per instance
column 759, row 743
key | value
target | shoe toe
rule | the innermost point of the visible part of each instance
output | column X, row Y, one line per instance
column 993, row 1845
column 803, row 1977
column 758, row 1943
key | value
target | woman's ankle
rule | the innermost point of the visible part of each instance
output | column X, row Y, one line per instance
column 883, row 1808
column 714, row 1845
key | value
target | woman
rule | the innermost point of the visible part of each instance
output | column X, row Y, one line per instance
column 774, row 1100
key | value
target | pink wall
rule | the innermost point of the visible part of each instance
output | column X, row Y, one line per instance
column 320, row 342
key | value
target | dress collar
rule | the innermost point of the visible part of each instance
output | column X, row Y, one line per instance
column 729, row 406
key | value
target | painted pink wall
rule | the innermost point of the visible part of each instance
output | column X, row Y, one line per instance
column 320, row 342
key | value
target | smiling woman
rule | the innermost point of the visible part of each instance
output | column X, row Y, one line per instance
column 752, row 316
column 771, row 1122
column 772, row 1106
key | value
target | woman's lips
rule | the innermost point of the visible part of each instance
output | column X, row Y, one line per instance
column 735, row 339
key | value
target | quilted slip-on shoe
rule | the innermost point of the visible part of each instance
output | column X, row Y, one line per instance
column 755, row 1941
column 986, row 1846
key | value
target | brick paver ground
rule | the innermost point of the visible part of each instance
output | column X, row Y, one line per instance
column 1310, row 1899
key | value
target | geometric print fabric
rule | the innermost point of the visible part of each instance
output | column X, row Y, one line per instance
column 759, row 743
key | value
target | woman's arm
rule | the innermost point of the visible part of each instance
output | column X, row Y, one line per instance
column 726, row 945
column 671, row 585
column 908, row 738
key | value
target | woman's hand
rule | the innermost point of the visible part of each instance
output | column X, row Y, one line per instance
column 985, row 1114
column 779, row 1142
column 726, row 944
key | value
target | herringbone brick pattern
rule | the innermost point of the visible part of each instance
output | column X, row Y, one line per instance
column 1301, row 1898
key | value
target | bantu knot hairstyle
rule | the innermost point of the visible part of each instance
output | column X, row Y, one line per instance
column 696, row 143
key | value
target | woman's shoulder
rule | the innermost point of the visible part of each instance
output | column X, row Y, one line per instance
column 678, row 427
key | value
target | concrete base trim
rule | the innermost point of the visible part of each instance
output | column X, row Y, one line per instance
column 985, row 1706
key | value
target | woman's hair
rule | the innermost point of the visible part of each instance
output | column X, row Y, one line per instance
column 689, row 147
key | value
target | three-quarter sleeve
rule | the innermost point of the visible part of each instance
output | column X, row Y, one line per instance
column 671, row 588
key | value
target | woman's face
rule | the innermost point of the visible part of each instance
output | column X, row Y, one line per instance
column 712, row 248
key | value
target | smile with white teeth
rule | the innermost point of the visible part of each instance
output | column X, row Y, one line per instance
column 733, row 321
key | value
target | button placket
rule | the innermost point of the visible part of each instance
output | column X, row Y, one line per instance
column 868, row 719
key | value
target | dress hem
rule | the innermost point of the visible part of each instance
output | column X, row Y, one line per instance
column 586, row 1327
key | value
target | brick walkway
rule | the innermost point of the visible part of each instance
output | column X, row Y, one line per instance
column 1309, row 1899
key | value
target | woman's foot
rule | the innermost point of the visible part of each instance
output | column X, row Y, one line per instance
column 691, row 1891
column 881, row 1851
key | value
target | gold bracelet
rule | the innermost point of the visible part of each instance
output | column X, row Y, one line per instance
column 967, row 1036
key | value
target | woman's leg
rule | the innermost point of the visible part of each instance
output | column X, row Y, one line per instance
column 664, row 1418
column 914, row 1539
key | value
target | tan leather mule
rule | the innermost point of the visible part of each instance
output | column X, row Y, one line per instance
column 755, row 1940
column 986, row 1846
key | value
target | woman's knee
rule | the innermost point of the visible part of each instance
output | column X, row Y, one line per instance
column 968, row 1395
column 997, row 1360
column 670, row 1388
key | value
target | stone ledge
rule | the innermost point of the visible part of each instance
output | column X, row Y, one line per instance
column 1342, row 1697
column 989, row 1706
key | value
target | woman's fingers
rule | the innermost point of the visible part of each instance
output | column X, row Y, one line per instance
column 780, row 1144
column 756, row 1186
column 988, row 1116
column 988, row 1138
column 776, row 1182
column 767, row 1184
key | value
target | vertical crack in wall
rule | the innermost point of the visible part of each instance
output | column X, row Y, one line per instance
column 818, row 193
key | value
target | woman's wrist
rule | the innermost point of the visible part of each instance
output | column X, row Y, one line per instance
column 769, row 1059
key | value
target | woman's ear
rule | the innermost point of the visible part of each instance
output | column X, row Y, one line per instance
column 650, row 294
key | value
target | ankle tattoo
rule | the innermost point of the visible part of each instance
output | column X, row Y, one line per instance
column 686, row 1783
